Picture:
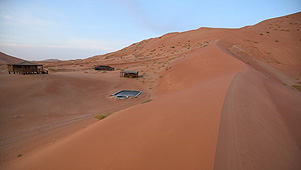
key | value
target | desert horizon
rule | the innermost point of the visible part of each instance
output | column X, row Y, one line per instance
column 208, row 98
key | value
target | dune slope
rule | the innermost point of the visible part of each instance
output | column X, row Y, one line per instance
column 7, row 59
column 259, row 125
column 271, row 46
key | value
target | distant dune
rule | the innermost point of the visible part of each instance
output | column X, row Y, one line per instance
column 217, row 99
column 6, row 59
column 51, row 60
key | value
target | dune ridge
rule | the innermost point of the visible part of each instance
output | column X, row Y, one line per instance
column 259, row 122
column 271, row 46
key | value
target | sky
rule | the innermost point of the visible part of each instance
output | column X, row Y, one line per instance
column 78, row 29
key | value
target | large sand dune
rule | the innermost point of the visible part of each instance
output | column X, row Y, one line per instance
column 223, row 99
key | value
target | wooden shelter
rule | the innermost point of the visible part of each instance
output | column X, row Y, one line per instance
column 129, row 74
column 106, row 68
column 26, row 68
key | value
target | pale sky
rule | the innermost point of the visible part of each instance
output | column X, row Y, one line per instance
column 72, row 29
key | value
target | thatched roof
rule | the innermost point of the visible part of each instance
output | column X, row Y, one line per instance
column 26, row 63
column 130, row 72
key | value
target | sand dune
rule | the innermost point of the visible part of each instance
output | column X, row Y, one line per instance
column 7, row 59
column 259, row 122
column 168, row 133
column 222, row 99
column 272, row 46
column 201, row 65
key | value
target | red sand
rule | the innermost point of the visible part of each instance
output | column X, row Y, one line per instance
column 210, row 111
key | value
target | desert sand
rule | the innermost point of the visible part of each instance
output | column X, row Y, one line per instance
column 39, row 109
column 221, row 99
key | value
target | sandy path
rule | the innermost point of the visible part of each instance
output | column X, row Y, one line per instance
column 176, row 131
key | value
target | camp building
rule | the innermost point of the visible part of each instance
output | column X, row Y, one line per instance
column 106, row 68
column 129, row 74
column 26, row 68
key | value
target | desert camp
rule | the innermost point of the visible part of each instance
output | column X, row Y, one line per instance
column 145, row 85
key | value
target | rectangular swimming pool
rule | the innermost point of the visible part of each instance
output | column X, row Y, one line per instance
column 124, row 94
